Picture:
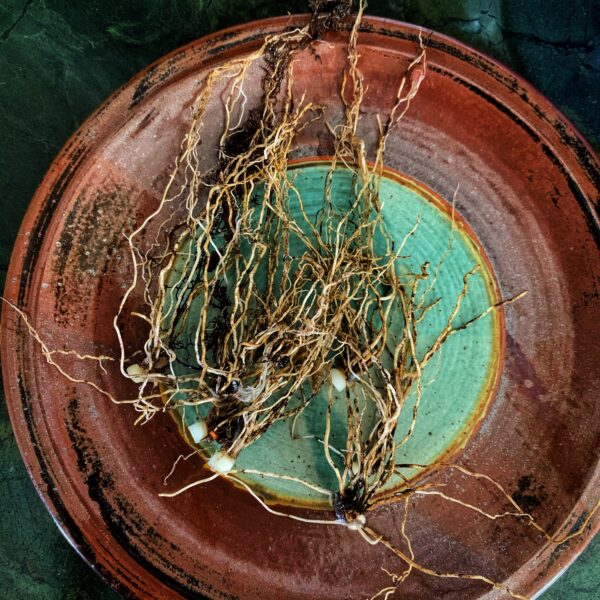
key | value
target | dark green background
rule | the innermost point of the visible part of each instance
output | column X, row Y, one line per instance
column 60, row 58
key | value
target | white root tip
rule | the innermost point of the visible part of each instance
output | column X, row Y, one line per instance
column 357, row 524
column 221, row 462
column 247, row 394
column 198, row 431
column 136, row 373
column 338, row 380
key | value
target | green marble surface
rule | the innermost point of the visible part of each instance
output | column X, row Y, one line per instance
column 60, row 58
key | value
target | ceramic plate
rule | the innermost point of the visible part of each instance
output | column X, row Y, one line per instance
column 527, row 206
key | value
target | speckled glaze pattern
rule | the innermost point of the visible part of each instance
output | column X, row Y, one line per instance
column 529, row 189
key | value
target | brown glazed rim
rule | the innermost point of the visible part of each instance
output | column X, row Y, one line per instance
column 576, row 160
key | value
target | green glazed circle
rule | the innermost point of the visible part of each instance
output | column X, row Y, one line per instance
column 460, row 380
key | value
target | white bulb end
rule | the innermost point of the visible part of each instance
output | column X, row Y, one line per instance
column 198, row 431
column 221, row 462
column 357, row 524
column 338, row 380
column 136, row 373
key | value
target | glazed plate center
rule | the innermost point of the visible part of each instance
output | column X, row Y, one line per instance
column 457, row 384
